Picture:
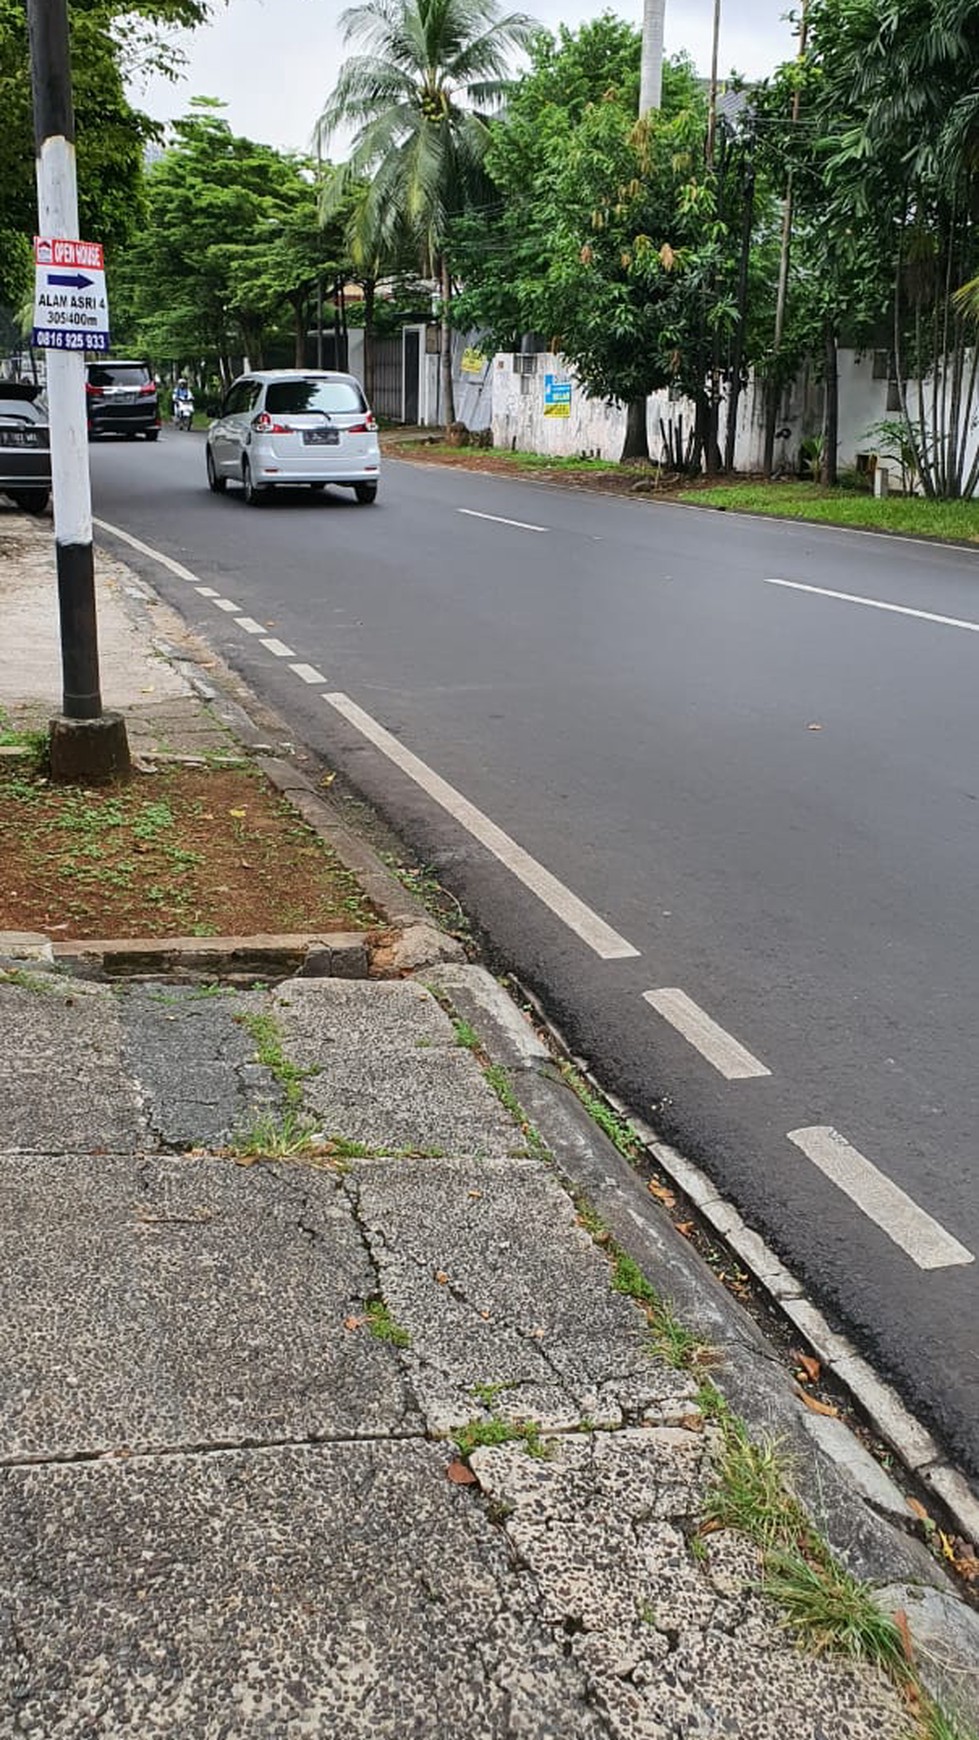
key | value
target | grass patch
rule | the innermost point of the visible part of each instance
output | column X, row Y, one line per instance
column 499, row 1081
column 844, row 507
column 674, row 1343
column 833, row 1611
column 479, row 1434
column 39, row 983
column 383, row 1327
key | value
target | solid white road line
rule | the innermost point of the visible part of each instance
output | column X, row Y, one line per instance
column 227, row 604
column 925, row 1242
column 606, row 942
column 730, row 1059
column 207, row 591
column 877, row 604
column 249, row 625
column 278, row 647
column 309, row 673
column 498, row 519
column 177, row 568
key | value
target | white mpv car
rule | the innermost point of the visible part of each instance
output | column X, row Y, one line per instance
column 294, row 426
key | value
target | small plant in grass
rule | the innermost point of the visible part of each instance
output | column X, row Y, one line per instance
column 465, row 1035
column 383, row 1327
column 39, row 983
column 479, row 1434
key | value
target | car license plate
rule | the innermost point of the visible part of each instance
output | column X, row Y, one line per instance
column 321, row 437
column 125, row 398
column 21, row 438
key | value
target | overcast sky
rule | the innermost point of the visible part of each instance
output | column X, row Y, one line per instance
column 273, row 62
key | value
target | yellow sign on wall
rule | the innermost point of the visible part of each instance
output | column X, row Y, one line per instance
column 473, row 361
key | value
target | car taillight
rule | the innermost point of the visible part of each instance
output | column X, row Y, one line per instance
column 263, row 424
column 363, row 428
column 95, row 392
column 150, row 387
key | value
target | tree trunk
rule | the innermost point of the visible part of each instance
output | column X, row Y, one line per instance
column 636, row 444
column 445, row 346
column 299, row 331
column 831, row 413
column 651, row 64
column 370, row 290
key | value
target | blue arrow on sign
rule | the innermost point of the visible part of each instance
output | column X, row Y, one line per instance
column 71, row 281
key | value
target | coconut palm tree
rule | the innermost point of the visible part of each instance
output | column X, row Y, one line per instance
column 419, row 97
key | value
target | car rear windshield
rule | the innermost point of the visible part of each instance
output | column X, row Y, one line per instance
column 295, row 397
column 118, row 375
column 21, row 410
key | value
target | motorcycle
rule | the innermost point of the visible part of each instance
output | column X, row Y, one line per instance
column 183, row 413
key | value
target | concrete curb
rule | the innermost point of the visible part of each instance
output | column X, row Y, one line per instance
column 854, row 1503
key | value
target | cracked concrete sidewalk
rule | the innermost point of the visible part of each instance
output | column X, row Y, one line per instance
column 227, row 1393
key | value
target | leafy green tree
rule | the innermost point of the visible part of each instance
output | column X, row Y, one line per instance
column 232, row 238
column 898, row 120
column 607, row 238
column 108, row 40
column 418, row 98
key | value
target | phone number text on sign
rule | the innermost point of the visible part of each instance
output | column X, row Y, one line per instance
column 56, row 338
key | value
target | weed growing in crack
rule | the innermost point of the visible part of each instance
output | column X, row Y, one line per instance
column 827, row 1607
column 499, row 1081
column 618, row 1130
column 267, row 1034
column 674, row 1343
column 466, row 1035
column 39, row 983
column 272, row 1136
column 489, row 1394
column 383, row 1327
column 479, row 1434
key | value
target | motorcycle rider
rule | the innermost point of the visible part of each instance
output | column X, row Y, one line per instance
column 182, row 396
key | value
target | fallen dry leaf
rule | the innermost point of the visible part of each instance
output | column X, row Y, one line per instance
column 811, row 1367
column 460, row 1474
column 441, row 1277
column 352, row 1322
column 693, row 1422
column 686, row 1227
column 901, row 1621
column 918, row 1509
column 816, row 1405
column 238, row 813
column 661, row 1193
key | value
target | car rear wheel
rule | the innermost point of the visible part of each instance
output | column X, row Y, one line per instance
column 32, row 501
column 215, row 483
column 254, row 495
column 365, row 492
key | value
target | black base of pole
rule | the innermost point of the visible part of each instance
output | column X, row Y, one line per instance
column 89, row 751
column 79, row 631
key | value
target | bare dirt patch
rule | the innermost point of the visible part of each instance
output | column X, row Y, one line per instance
column 183, row 851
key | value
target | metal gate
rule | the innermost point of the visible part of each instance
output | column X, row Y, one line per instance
column 388, row 385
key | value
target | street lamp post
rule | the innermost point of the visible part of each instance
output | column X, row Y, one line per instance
column 87, row 744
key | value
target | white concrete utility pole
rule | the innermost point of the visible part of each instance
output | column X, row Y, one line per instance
column 651, row 65
column 86, row 744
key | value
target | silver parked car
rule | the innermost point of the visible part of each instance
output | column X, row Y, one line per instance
column 294, row 426
column 25, row 446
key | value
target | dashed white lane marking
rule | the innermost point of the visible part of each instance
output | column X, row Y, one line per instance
column 925, row 1242
column 227, row 604
column 877, row 604
column 279, row 648
column 309, row 673
column 498, row 519
column 606, row 942
column 249, row 625
column 177, row 568
column 720, row 1048
column 207, row 591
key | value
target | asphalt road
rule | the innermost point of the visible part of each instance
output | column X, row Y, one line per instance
column 756, row 803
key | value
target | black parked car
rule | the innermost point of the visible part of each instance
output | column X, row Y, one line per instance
column 121, row 399
column 25, row 447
